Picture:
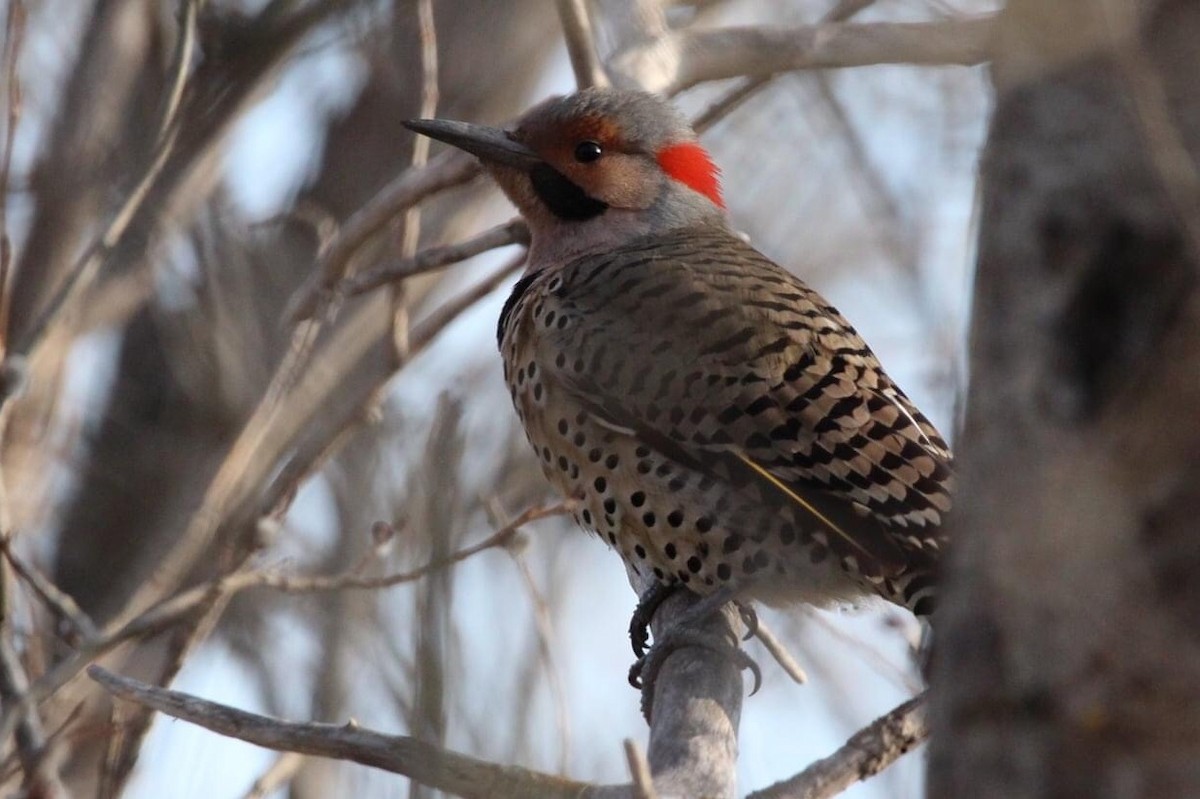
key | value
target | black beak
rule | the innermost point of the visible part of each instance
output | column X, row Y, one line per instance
column 488, row 144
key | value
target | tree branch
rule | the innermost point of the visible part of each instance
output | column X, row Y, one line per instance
column 399, row 754
column 680, row 59
column 448, row 168
column 514, row 232
column 868, row 752
column 581, row 44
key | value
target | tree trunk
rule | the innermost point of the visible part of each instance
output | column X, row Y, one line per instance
column 1067, row 656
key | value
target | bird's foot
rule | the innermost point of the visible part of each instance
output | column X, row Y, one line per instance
column 643, row 614
column 749, row 618
column 644, row 672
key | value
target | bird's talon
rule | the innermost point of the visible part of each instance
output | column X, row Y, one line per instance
column 749, row 618
column 747, row 662
column 643, row 614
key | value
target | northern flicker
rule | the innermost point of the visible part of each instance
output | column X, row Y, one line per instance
column 721, row 424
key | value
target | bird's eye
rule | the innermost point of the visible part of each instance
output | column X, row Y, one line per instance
column 588, row 151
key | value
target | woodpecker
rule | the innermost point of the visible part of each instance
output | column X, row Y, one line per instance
column 720, row 423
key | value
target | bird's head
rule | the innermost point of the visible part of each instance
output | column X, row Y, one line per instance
column 595, row 169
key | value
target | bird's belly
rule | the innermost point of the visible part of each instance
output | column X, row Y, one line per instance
column 669, row 519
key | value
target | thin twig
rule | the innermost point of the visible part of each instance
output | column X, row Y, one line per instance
column 292, row 584
column 729, row 102
column 869, row 653
column 411, row 228
column 868, row 752
column 101, row 249
column 639, row 770
column 181, row 60
column 247, row 460
column 439, row 319
column 14, row 36
column 545, row 634
column 423, row 762
column 183, row 641
column 187, row 603
column 581, row 44
column 514, row 232
column 281, row 773
column 41, row 776
column 448, row 168
column 59, row 602
column 211, row 117
column 780, row 653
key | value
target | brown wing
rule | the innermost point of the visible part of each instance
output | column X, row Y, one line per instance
column 697, row 342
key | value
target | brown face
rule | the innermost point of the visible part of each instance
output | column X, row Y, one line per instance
column 591, row 153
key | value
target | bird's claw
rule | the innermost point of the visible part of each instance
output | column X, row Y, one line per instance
column 749, row 618
column 644, row 672
column 643, row 614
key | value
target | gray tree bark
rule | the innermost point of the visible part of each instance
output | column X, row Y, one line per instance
column 1067, row 651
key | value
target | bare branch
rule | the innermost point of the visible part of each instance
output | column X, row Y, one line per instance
column 425, row 763
column 449, row 168
column 209, row 112
column 779, row 652
column 292, row 584
column 725, row 105
column 281, row 772
column 41, row 775
column 630, row 23
column 59, row 603
column 14, row 34
column 410, row 232
column 581, row 44
column 187, row 604
column 514, row 232
column 697, row 704
column 868, row 752
column 639, row 769
column 681, row 59
column 180, row 61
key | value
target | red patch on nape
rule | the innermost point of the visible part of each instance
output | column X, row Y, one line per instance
column 691, row 165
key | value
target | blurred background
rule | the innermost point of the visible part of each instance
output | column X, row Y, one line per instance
column 148, row 395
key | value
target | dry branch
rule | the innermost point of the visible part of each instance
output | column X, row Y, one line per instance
column 33, row 750
column 191, row 602
column 14, row 34
column 447, row 169
column 218, row 94
column 58, row 602
column 730, row 101
column 868, row 752
column 514, row 232
column 581, row 44
column 425, row 763
column 680, row 59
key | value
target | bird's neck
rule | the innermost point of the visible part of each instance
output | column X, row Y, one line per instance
column 555, row 243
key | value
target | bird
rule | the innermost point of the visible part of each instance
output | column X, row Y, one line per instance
column 718, row 422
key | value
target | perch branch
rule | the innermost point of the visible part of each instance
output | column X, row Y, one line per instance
column 868, row 752
column 431, row 765
column 680, row 59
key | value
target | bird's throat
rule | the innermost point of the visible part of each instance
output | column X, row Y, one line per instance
column 564, row 199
